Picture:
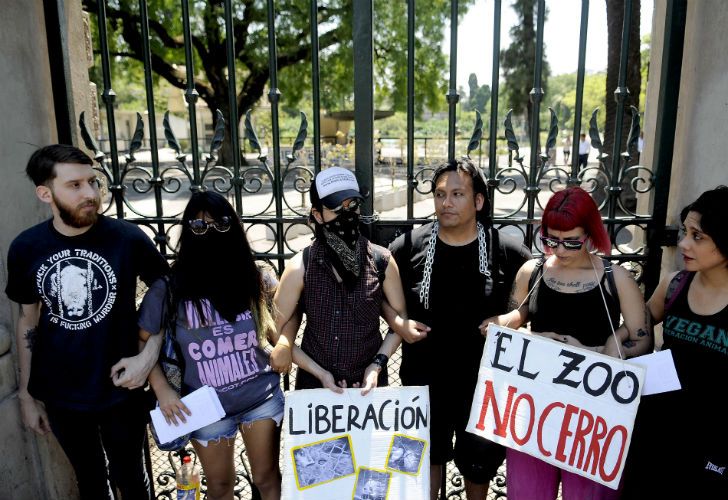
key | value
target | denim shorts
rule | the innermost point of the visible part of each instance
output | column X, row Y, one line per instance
column 227, row 428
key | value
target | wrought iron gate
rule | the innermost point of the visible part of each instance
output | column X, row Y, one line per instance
column 269, row 191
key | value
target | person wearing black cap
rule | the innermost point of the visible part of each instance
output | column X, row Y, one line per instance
column 456, row 271
column 340, row 282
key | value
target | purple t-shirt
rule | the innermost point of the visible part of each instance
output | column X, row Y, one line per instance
column 226, row 356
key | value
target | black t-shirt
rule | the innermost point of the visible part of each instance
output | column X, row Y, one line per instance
column 450, row 354
column 699, row 345
column 86, row 285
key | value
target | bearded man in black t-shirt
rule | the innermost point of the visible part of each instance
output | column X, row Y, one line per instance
column 74, row 277
column 455, row 272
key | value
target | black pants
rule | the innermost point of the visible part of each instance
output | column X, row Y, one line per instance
column 115, row 436
column 583, row 160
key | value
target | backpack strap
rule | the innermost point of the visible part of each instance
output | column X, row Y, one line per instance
column 497, row 276
column 677, row 283
column 609, row 276
column 611, row 292
column 381, row 259
column 533, row 285
column 306, row 256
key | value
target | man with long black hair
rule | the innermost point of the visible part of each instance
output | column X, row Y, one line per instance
column 456, row 271
column 75, row 278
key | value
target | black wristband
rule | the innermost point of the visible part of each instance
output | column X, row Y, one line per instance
column 380, row 360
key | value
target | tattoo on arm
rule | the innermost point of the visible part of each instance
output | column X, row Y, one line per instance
column 642, row 333
column 629, row 343
column 30, row 338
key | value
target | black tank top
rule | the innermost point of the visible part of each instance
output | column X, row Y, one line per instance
column 581, row 315
column 699, row 345
column 690, row 423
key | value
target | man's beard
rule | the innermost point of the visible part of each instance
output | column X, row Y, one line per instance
column 74, row 217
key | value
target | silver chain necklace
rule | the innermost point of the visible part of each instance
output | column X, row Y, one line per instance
column 430, row 258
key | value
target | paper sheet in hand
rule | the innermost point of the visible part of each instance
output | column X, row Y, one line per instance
column 205, row 407
column 661, row 375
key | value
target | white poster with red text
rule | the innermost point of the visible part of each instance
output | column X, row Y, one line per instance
column 568, row 406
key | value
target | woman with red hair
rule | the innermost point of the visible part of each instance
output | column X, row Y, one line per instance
column 573, row 296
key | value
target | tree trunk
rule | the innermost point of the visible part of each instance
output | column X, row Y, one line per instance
column 529, row 34
column 615, row 19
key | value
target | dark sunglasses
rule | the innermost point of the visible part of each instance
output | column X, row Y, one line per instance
column 554, row 243
column 200, row 226
column 352, row 206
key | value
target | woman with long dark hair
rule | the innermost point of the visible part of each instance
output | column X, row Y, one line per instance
column 223, row 321
column 681, row 443
column 574, row 297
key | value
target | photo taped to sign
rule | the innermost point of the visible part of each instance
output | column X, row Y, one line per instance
column 371, row 484
column 323, row 461
column 405, row 454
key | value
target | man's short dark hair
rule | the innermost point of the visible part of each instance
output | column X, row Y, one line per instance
column 41, row 165
column 466, row 166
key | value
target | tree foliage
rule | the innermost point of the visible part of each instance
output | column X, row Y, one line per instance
column 562, row 98
column 517, row 61
column 293, row 50
column 478, row 96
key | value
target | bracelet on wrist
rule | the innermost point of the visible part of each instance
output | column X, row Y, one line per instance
column 380, row 360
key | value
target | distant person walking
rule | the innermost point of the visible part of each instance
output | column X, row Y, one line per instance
column 584, row 149
column 566, row 149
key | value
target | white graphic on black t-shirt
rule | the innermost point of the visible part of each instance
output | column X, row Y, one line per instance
column 78, row 288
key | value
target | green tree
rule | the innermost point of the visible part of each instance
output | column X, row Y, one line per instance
column 645, row 48
column 293, row 50
column 478, row 95
column 562, row 98
column 517, row 61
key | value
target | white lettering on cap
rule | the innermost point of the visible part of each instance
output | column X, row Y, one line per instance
column 335, row 179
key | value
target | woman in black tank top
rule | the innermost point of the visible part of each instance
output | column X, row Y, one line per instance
column 683, row 434
column 576, row 298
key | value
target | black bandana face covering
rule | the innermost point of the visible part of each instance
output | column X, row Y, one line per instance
column 341, row 239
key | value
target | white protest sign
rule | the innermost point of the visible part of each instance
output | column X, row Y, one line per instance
column 352, row 446
column 570, row 407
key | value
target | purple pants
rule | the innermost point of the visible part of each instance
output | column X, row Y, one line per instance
column 529, row 478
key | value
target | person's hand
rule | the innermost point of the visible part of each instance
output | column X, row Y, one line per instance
column 371, row 376
column 280, row 358
column 553, row 336
column 410, row 330
column 568, row 340
column 573, row 341
column 132, row 372
column 327, row 380
column 171, row 406
column 34, row 415
column 484, row 325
